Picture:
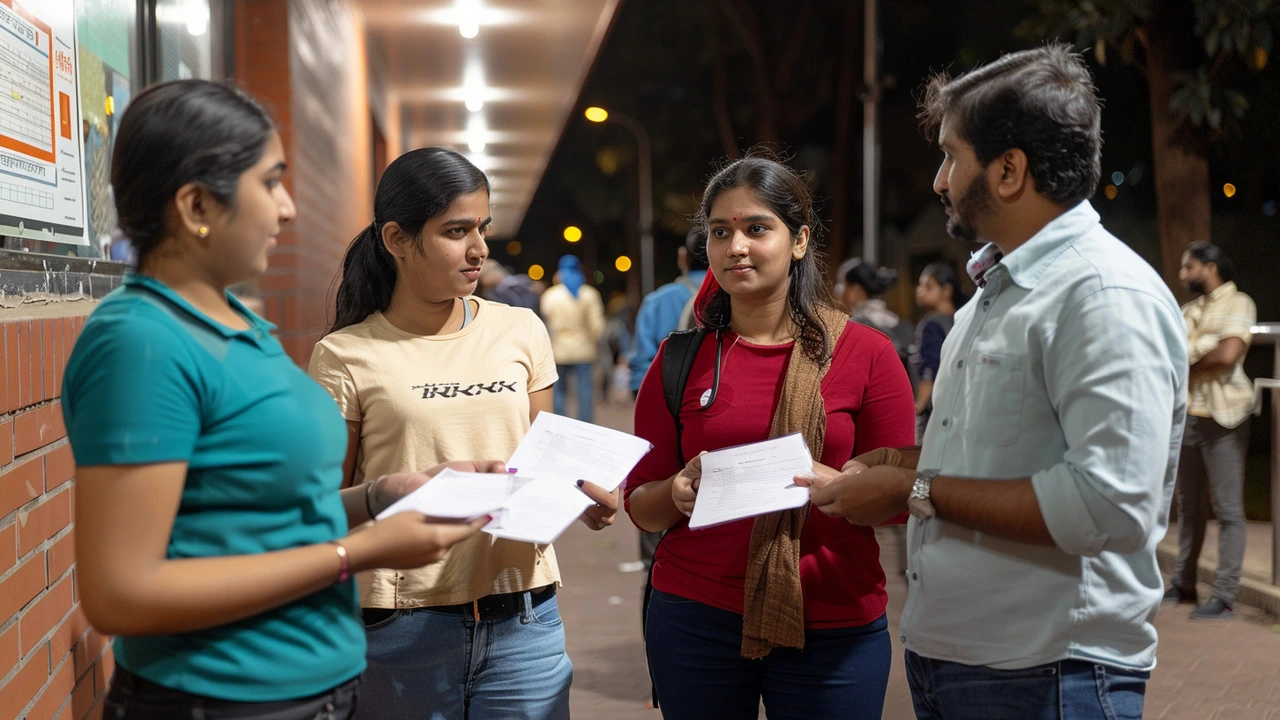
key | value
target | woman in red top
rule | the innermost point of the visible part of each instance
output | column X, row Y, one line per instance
column 765, row 300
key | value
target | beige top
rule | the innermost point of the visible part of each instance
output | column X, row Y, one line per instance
column 1224, row 313
column 424, row 400
column 576, row 324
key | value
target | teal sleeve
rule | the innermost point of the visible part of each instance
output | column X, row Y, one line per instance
column 131, row 393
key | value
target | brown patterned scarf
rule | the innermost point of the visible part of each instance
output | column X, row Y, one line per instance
column 773, row 604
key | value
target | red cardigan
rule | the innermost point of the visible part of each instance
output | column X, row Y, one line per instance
column 869, row 405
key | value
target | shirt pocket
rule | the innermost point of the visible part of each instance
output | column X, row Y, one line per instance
column 996, row 394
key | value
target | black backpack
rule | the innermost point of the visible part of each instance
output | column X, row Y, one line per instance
column 677, row 361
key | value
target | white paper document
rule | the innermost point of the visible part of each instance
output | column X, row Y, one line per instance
column 751, row 480
column 561, row 448
column 539, row 512
column 542, row 500
column 453, row 495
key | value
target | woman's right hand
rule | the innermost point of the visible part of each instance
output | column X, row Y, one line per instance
column 684, row 486
column 406, row 541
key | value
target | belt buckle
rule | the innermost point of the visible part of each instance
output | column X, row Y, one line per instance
column 475, row 610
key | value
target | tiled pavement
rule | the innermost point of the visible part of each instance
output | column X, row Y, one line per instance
column 1207, row 671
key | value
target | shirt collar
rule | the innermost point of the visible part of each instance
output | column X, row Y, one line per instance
column 1224, row 290
column 146, row 282
column 981, row 262
column 1027, row 263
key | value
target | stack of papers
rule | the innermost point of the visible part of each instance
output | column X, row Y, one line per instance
column 750, row 480
column 542, row 499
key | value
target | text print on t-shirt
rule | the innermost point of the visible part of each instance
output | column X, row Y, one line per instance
column 453, row 390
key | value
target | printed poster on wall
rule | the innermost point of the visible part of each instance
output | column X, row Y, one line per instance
column 41, row 174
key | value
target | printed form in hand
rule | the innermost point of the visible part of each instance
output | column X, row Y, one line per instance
column 542, row 499
column 750, row 480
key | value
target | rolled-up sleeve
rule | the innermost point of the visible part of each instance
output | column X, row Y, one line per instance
column 1115, row 369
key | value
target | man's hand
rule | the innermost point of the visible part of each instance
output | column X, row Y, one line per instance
column 870, row 496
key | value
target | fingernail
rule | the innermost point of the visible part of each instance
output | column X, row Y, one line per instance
column 580, row 482
column 513, row 471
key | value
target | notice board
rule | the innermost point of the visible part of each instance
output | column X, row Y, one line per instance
column 42, row 191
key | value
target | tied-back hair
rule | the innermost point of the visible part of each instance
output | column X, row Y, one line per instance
column 418, row 186
column 875, row 281
column 944, row 274
column 787, row 195
column 1207, row 253
column 174, row 134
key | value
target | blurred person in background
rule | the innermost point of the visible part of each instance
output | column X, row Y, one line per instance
column 574, row 314
column 939, row 295
column 499, row 285
column 861, row 288
column 1211, row 471
column 669, row 307
column 615, row 349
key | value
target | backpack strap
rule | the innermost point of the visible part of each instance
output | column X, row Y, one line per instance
column 677, row 361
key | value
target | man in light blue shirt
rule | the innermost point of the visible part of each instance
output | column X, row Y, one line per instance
column 661, row 311
column 1044, row 481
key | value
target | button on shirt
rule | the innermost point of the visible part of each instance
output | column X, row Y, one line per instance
column 1069, row 367
column 1224, row 313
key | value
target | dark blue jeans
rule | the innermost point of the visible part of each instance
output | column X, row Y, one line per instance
column 694, row 656
column 133, row 698
column 1066, row 690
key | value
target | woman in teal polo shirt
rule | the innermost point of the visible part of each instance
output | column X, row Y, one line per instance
column 211, row 536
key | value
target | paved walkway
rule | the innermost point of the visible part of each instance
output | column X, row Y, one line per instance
column 1207, row 671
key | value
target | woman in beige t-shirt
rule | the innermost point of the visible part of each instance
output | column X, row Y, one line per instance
column 422, row 370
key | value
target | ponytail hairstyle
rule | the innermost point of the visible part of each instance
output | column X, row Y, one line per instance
column 175, row 134
column 875, row 281
column 1209, row 253
column 785, row 193
column 420, row 185
column 944, row 274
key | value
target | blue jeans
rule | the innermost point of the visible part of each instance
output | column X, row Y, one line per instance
column 1066, row 690
column 696, row 663
column 581, row 383
column 426, row 664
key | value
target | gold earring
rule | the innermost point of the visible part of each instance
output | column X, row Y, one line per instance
column 204, row 231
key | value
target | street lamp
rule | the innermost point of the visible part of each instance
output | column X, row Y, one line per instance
column 599, row 115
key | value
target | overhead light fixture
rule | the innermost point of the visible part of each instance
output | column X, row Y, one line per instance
column 477, row 133
column 469, row 18
column 473, row 85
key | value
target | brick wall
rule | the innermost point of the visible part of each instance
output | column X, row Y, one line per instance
column 316, row 87
column 52, row 664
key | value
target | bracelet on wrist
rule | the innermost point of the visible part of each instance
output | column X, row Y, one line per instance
column 344, row 558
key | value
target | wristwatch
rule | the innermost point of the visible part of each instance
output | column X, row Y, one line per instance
column 918, row 501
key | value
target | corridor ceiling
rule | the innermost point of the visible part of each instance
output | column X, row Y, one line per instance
column 503, row 96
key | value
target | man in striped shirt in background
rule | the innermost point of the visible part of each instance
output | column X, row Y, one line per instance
column 1219, row 322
